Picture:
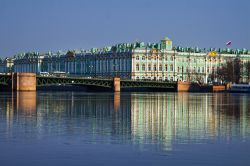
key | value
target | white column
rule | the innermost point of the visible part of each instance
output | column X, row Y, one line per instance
column 39, row 66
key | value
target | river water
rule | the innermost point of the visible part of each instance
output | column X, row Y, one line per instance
column 77, row 128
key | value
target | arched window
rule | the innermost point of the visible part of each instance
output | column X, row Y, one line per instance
column 166, row 67
column 155, row 68
column 149, row 67
column 160, row 68
column 171, row 68
column 143, row 67
column 137, row 67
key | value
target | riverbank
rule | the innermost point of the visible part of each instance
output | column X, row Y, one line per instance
column 196, row 87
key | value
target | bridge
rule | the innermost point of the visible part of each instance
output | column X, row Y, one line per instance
column 5, row 79
column 29, row 81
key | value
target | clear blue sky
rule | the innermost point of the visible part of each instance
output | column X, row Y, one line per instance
column 43, row 25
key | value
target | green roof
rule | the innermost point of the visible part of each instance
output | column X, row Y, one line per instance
column 166, row 38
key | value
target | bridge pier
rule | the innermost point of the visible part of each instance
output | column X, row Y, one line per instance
column 117, row 101
column 24, row 82
column 26, row 101
column 116, row 84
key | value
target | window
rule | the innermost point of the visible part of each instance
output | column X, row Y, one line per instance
column 155, row 68
column 172, row 58
column 166, row 58
column 137, row 67
column 143, row 67
column 166, row 67
column 143, row 57
column 149, row 57
column 149, row 67
column 137, row 57
column 171, row 68
column 160, row 68
column 178, row 69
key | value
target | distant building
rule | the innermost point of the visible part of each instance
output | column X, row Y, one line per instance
column 138, row 61
column 28, row 62
column 6, row 65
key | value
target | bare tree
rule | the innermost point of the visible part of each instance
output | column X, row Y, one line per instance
column 237, row 66
column 247, row 70
column 231, row 71
column 221, row 73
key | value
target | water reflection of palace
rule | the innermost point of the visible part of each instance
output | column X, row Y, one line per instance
column 164, row 118
column 154, row 118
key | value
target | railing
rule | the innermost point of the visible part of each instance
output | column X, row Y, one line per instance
column 103, row 82
column 6, row 79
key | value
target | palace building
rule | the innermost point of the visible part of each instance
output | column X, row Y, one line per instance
column 6, row 65
column 137, row 61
